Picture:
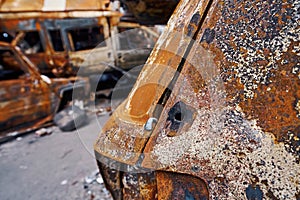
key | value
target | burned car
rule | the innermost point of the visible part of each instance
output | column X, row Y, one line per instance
column 28, row 98
column 149, row 12
column 215, row 112
column 63, row 38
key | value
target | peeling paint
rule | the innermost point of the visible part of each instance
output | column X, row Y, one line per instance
column 240, row 78
column 240, row 157
column 26, row 99
column 266, row 37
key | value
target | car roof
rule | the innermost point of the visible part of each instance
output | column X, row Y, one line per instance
column 22, row 9
column 52, row 5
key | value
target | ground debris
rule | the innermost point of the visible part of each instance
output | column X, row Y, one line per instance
column 92, row 191
column 43, row 132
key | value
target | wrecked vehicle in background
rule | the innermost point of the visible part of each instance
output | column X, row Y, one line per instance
column 149, row 12
column 215, row 112
column 27, row 98
column 64, row 36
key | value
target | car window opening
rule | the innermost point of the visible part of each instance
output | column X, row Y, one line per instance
column 9, row 66
column 87, row 38
column 131, row 38
column 31, row 43
column 56, row 40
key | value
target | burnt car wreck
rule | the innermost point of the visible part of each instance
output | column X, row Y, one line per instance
column 27, row 98
column 149, row 12
column 219, row 96
column 61, row 39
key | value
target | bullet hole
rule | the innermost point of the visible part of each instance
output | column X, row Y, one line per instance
column 179, row 114
column 178, row 117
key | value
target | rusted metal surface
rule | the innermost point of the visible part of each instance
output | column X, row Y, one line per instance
column 45, row 9
column 226, row 95
column 128, row 185
column 24, row 98
column 180, row 186
column 58, row 15
column 112, row 179
column 54, row 5
column 62, row 42
column 27, row 98
column 139, row 186
column 60, row 60
column 24, row 108
column 131, row 116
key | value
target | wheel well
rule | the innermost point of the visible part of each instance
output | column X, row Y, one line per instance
column 65, row 99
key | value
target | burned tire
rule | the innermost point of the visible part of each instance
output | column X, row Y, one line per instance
column 70, row 118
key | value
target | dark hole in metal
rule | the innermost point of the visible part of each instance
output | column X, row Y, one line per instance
column 179, row 116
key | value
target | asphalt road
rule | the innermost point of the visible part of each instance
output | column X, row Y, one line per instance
column 56, row 166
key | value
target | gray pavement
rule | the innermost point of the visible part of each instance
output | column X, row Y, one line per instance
column 53, row 166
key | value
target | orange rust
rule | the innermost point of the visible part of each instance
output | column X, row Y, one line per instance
column 38, row 5
column 280, row 103
column 25, row 98
column 22, row 5
column 142, row 100
column 131, row 117
column 58, row 59
column 275, row 108
column 32, row 103
column 9, row 24
column 180, row 186
column 142, row 186
column 242, row 76
column 88, row 5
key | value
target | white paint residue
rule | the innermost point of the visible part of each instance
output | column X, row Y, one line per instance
column 233, row 154
column 297, row 107
column 245, row 68
column 54, row 5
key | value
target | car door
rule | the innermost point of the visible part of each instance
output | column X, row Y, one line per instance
column 90, row 49
column 34, row 48
column 58, row 58
column 24, row 97
column 217, row 102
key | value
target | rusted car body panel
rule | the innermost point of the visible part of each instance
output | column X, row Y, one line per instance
column 31, row 104
column 221, row 93
column 22, row 99
column 67, row 58
column 63, row 39
column 46, row 5
column 25, row 97
column 57, row 54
